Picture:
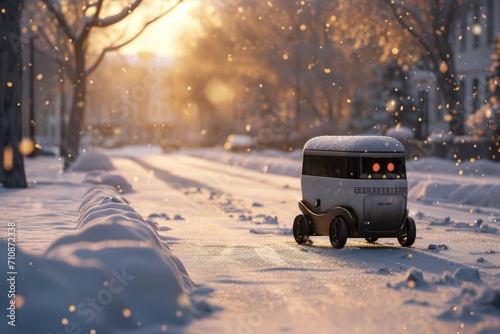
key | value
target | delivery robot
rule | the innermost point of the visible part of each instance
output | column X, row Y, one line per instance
column 356, row 187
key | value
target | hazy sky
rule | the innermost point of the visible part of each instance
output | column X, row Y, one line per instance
column 159, row 38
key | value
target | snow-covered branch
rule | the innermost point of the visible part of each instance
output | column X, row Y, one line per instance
column 108, row 21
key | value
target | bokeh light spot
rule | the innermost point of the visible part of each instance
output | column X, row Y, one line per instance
column 26, row 146
column 126, row 313
column 8, row 158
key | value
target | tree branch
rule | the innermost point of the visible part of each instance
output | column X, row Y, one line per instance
column 415, row 15
column 94, row 20
column 441, row 36
column 93, row 4
column 118, row 46
column 418, row 35
column 60, row 19
column 108, row 21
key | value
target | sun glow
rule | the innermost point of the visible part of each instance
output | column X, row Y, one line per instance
column 161, row 37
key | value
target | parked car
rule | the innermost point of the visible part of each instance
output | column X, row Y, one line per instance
column 170, row 144
column 237, row 142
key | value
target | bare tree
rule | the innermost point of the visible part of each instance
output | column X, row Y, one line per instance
column 79, row 20
column 12, row 165
column 432, row 24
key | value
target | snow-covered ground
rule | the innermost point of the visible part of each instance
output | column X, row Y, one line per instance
column 200, row 241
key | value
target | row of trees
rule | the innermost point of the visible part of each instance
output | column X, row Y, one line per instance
column 297, row 63
column 304, row 61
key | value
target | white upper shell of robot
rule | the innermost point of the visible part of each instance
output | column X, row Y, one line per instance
column 355, row 144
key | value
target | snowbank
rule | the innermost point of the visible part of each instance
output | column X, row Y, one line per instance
column 115, row 180
column 481, row 195
column 480, row 168
column 401, row 133
column 93, row 161
column 433, row 180
column 113, row 274
column 472, row 304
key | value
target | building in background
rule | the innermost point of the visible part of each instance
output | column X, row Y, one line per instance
column 473, row 45
column 475, row 40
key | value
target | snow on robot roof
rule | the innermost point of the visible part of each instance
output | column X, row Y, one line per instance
column 355, row 144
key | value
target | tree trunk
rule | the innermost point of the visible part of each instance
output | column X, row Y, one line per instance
column 12, row 163
column 456, row 111
column 329, row 103
column 62, row 120
column 456, row 106
column 448, row 82
column 76, row 119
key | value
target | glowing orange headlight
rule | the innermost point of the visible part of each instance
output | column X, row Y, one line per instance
column 376, row 167
column 390, row 167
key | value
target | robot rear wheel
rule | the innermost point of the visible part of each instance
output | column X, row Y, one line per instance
column 301, row 229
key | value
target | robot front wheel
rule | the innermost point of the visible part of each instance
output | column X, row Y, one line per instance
column 411, row 233
column 338, row 232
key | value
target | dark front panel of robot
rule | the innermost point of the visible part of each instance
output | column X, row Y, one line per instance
column 384, row 212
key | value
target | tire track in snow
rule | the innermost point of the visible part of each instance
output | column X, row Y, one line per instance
column 268, row 254
column 173, row 180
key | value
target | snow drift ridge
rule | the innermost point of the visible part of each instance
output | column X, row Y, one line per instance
column 113, row 274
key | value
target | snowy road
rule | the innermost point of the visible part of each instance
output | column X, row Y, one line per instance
column 263, row 282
